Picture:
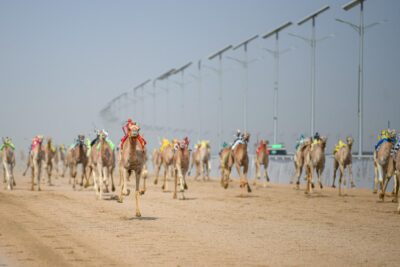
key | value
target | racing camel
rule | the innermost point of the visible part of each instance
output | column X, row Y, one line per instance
column 201, row 159
column 342, row 160
column 262, row 158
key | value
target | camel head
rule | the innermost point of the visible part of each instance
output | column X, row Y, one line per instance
column 324, row 139
column 81, row 140
column 134, row 131
column 349, row 140
column 49, row 140
column 246, row 137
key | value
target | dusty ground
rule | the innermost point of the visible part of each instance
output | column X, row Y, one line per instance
column 274, row 226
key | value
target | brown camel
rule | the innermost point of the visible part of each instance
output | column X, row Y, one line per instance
column 105, row 165
column 93, row 158
column 201, row 159
column 315, row 161
column 226, row 163
column 167, row 160
column 342, row 159
column 78, row 155
column 181, row 167
column 242, row 160
column 61, row 159
column 262, row 158
column 383, row 167
column 8, row 160
column 36, row 157
column 49, row 159
column 132, row 161
column 299, row 160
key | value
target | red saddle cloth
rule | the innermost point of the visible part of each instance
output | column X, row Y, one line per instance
column 261, row 146
column 141, row 140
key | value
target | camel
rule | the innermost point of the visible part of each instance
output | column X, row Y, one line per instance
column 156, row 160
column 226, row 163
column 93, row 158
column 61, row 158
column 35, row 159
column 166, row 160
column 342, row 160
column 299, row 160
column 315, row 161
column 242, row 160
column 8, row 160
column 78, row 155
column 392, row 169
column 383, row 167
column 181, row 166
column 105, row 165
column 201, row 159
column 49, row 159
column 132, row 161
column 262, row 158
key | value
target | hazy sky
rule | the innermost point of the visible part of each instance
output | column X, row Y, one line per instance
column 63, row 61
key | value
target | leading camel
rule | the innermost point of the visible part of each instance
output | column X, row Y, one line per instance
column 342, row 159
column 132, row 161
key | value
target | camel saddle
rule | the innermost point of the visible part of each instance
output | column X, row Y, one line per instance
column 339, row 146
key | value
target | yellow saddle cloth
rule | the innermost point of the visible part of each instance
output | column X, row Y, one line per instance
column 165, row 144
column 339, row 145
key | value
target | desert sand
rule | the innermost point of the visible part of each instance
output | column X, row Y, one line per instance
column 272, row 226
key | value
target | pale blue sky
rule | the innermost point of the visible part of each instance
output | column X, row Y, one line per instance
column 63, row 61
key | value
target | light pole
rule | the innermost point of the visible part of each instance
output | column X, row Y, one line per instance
column 220, row 78
column 245, row 64
column 276, row 54
column 165, row 76
column 198, row 78
column 360, row 29
column 182, row 85
column 140, row 86
column 313, row 43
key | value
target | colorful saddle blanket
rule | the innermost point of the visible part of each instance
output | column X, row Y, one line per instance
column 339, row 145
column 383, row 140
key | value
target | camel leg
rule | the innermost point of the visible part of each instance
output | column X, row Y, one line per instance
column 208, row 169
column 200, row 171
column 96, row 186
column 182, row 185
column 266, row 175
column 245, row 170
column 164, row 186
column 7, row 168
column 350, row 167
column 257, row 165
column 319, row 174
column 383, row 181
column 335, row 167
column 124, row 190
column 157, row 172
column 376, row 174
column 299, row 170
column 38, row 167
column 49, row 170
column 383, row 193
column 341, row 175
column 396, row 187
column 310, row 173
column 137, row 194
column 175, row 184
column 239, row 171
column 101, row 177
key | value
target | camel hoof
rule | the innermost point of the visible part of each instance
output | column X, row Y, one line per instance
column 155, row 182
column 141, row 192
column 113, row 189
column 306, row 192
column 138, row 214
column 333, row 186
column 185, row 186
column 320, row 185
column 312, row 185
column 163, row 187
column 248, row 188
column 395, row 200
column 353, row 185
column 375, row 191
column 382, row 196
column 120, row 200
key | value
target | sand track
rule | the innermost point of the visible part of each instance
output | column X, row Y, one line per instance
column 274, row 226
